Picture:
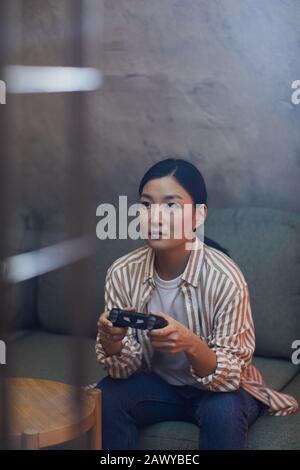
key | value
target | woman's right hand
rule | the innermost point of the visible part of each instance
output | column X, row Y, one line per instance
column 109, row 333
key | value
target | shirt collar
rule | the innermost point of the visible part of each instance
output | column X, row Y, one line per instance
column 192, row 270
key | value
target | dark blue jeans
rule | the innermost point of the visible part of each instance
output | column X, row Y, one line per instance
column 142, row 399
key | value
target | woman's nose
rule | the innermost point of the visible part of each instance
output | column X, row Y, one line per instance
column 156, row 215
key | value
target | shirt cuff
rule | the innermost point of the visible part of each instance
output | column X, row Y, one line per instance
column 214, row 380
column 125, row 351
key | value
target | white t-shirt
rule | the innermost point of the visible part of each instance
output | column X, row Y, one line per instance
column 168, row 298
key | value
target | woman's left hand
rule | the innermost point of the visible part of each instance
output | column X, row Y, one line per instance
column 173, row 338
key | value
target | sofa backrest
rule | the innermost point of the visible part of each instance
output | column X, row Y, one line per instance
column 265, row 245
column 55, row 289
column 23, row 236
column 263, row 242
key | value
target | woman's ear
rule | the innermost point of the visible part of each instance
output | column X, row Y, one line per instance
column 201, row 214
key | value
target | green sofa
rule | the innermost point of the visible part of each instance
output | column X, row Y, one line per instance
column 264, row 243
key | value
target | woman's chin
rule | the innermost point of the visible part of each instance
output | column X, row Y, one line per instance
column 161, row 243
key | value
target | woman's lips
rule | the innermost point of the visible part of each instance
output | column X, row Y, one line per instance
column 155, row 234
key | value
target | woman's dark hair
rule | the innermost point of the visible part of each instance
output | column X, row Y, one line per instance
column 190, row 179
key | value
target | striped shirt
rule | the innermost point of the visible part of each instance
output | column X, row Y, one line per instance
column 217, row 305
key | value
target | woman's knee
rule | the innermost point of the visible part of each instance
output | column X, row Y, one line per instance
column 106, row 382
column 221, row 409
column 112, row 391
column 113, row 384
column 222, row 421
column 118, row 392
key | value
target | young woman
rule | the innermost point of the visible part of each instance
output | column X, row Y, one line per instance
column 197, row 368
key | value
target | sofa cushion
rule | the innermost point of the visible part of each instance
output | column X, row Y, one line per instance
column 276, row 372
column 169, row 435
column 278, row 432
column 50, row 356
column 265, row 244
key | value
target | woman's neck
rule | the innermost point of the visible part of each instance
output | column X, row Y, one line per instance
column 170, row 263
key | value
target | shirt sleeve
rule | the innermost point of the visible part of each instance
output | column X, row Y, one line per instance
column 129, row 360
column 233, row 340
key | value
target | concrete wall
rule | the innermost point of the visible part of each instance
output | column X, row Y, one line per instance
column 206, row 80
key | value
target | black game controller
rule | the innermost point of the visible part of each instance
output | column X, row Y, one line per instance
column 142, row 321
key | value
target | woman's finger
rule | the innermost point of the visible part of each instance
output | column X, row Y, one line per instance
column 111, row 337
column 171, row 336
column 160, row 345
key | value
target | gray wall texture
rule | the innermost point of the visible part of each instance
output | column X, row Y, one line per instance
column 206, row 80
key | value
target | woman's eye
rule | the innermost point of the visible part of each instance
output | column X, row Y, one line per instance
column 172, row 205
column 145, row 203
column 168, row 205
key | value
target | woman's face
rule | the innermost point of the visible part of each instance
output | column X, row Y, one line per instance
column 168, row 210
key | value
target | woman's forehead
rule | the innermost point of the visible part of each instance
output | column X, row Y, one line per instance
column 165, row 188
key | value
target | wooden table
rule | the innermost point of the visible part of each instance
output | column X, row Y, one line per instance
column 43, row 413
